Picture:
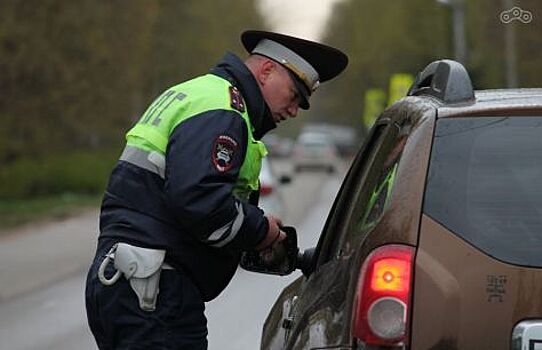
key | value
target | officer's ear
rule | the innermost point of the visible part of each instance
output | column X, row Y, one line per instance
column 267, row 68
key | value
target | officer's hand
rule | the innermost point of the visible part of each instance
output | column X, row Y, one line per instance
column 274, row 255
column 274, row 233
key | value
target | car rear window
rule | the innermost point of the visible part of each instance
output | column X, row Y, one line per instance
column 485, row 184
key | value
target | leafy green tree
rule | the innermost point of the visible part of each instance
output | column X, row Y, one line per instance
column 394, row 36
column 190, row 36
column 381, row 38
column 75, row 73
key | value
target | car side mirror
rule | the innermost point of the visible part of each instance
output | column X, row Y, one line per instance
column 304, row 261
column 292, row 260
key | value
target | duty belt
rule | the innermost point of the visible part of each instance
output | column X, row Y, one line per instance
column 152, row 161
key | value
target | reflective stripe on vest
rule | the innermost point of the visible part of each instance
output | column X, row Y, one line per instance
column 151, row 161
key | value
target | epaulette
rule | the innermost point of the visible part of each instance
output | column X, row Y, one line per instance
column 236, row 100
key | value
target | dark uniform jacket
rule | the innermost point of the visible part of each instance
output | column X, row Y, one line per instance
column 180, row 211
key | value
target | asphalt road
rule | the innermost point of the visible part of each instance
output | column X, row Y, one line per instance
column 42, row 268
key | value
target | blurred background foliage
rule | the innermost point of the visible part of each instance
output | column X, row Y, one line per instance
column 396, row 36
column 75, row 75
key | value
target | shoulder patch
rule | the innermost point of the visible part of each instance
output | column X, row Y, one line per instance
column 236, row 100
column 224, row 151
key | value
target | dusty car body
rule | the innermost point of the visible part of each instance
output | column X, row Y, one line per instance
column 434, row 240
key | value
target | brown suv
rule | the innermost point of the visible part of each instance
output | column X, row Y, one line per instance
column 435, row 238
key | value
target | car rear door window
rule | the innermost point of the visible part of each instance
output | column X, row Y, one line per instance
column 332, row 240
column 371, row 192
column 484, row 184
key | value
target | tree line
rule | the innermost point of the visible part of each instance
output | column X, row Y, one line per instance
column 396, row 36
column 74, row 74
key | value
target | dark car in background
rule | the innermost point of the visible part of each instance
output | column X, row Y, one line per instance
column 435, row 239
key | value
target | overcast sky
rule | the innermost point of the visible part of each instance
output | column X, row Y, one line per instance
column 303, row 18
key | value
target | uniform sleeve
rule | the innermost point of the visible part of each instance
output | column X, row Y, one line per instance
column 203, row 160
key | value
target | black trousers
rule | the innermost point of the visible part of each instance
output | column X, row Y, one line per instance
column 117, row 321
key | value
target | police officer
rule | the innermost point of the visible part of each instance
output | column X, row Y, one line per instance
column 177, row 212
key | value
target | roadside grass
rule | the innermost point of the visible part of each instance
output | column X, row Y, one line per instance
column 17, row 212
column 53, row 186
column 82, row 172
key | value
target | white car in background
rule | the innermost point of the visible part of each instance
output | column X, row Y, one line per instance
column 278, row 146
column 271, row 200
column 315, row 151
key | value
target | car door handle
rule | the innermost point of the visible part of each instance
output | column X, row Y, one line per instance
column 288, row 321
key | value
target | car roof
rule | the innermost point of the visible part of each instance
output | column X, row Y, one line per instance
column 447, row 85
column 498, row 101
column 317, row 137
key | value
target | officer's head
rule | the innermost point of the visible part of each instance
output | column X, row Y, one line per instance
column 290, row 69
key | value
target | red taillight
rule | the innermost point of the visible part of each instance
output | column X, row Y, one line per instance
column 382, row 304
column 391, row 275
column 265, row 190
